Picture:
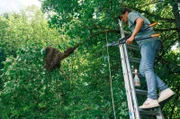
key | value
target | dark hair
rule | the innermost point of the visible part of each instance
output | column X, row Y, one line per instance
column 123, row 11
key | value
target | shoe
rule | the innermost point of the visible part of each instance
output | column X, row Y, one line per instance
column 165, row 94
column 149, row 103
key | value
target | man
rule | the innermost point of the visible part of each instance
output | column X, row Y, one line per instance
column 148, row 50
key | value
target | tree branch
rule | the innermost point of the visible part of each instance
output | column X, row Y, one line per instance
column 168, row 29
column 150, row 14
column 152, row 2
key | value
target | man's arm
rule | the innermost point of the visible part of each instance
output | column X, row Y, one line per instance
column 139, row 23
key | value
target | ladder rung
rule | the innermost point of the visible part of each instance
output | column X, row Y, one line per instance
column 141, row 92
column 149, row 112
column 133, row 47
column 133, row 59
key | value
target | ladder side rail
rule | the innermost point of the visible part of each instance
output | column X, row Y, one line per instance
column 160, row 116
column 127, row 85
column 125, row 74
column 131, row 83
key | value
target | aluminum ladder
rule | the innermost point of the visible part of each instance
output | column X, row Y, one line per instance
column 131, row 92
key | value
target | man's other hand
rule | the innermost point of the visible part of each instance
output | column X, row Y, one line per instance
column 130, row 40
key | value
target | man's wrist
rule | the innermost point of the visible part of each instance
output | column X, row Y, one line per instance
column 133, row 35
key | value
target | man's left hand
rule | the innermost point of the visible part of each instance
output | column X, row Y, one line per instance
column 130, row 40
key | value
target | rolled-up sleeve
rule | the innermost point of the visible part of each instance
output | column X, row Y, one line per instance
column 132, row 16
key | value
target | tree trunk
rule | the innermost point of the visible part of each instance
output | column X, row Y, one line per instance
column 177, row 16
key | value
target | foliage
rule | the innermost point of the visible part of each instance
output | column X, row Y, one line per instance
column 29, row 91
column 93, row 18
column 81, row 88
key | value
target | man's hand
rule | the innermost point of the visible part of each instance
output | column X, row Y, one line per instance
column 130, row 40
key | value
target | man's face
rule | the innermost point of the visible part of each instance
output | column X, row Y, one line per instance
column 124, row 17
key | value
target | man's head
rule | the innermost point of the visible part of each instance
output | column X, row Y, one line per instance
column 124, row 15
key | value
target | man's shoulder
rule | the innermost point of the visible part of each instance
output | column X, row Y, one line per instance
column 132, row 16
column 134, row 13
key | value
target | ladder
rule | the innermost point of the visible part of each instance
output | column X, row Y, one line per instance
column 131, row 92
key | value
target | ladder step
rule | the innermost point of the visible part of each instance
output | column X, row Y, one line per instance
column 149, row 112
column 141, row 92
column 133, row 47
column 133, row 59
